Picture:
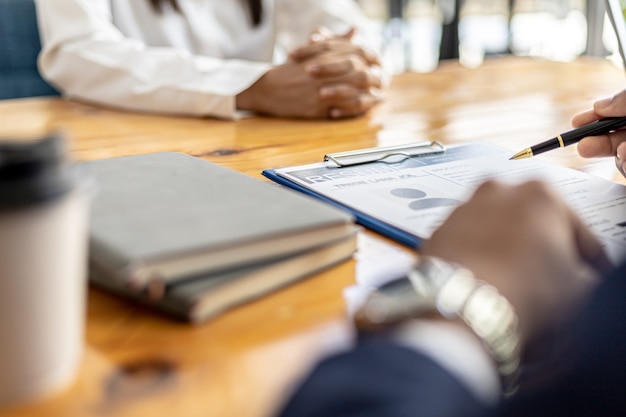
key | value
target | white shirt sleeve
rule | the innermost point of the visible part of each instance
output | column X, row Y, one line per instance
column 123, row 54
column 458, row 351
column 87, row 57
column 298, row 18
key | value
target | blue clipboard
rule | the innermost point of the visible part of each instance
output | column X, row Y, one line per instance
column 363, row 156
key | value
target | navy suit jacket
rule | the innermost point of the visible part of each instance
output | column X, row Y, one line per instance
column 380, row 379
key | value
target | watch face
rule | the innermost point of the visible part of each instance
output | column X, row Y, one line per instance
column 397, row 287
column 431, row 274
column 411, row 296
column 400, row 296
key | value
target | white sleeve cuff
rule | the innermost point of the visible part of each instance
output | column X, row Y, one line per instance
column 457, row 350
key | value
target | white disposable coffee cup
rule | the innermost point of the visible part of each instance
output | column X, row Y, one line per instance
column 43, row 241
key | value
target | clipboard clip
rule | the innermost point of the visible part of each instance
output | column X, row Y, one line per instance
column 389, row 154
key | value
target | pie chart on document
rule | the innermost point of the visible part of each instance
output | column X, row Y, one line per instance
column 423, row 202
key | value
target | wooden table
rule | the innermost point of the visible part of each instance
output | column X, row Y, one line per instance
column 140, row 364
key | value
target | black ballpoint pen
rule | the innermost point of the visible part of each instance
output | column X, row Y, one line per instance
column 598, row 127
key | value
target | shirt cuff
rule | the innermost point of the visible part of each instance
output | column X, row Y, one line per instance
column 457, row 350
column 223, row 86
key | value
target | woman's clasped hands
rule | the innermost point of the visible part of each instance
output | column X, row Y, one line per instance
column 330, row 77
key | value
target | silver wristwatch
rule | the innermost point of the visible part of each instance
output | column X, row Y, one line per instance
column 435, row 286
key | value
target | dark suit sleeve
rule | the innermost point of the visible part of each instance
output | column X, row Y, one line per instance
column 379, row 378
column 595, row 383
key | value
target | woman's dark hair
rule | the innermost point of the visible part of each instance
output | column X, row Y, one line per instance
column 254, row 6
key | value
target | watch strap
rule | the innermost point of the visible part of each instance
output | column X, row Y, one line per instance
column 435, row 286
column 491, row 317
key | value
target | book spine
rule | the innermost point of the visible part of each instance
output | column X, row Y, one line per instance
column 173, row 307
column 116, row 266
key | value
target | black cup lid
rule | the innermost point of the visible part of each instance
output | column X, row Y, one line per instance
column 33, row 171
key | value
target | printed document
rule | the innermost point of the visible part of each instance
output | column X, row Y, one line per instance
column 418, row 193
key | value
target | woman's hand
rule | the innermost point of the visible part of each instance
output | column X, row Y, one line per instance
column 612, row 144
column 330, row 77
column 324, row 42
column 290, row 90
column 349, row 84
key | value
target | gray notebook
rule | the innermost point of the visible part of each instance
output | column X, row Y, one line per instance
column 203, row 297
column 158, row 218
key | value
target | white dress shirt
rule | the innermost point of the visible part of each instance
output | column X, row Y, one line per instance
column 458, row 351
column 455, row 348
column 123, row 54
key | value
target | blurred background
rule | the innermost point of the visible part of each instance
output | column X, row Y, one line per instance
column 417, row 34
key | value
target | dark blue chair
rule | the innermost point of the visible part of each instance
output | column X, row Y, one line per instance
column 19, row 46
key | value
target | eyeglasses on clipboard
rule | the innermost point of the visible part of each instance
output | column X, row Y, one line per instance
column 389, row 154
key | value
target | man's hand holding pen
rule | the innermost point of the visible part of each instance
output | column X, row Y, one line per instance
column 610, row 144
column 599, row 132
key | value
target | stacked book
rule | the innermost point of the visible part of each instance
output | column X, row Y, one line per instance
column 193, row 239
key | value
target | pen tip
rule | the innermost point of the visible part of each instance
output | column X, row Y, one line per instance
column 526, row 153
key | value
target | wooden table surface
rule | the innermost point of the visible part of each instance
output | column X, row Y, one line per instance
column 138, row 363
